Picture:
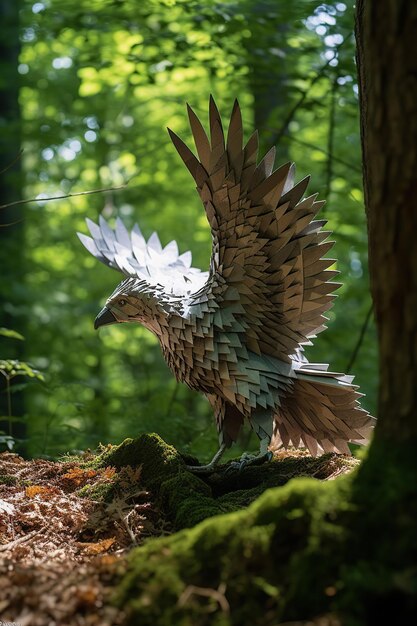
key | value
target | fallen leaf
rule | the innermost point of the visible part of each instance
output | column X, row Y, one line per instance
column 109, row 472
column 78, row 476
column 97, row 548
column 7, row 507
column 36, row 490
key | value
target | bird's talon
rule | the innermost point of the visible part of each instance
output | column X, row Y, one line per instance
column 233, row 467
column 243, row 463
column 249, row 459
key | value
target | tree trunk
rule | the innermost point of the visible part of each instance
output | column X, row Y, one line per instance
column 268, row 81
column 387, row 62
column 11, row 225
column 382, row 546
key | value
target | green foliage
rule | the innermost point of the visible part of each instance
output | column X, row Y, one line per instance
column 6, row 442
column 11, row 369
column 6, row 332
column 99, row 82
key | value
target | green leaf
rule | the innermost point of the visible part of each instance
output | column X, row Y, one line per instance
column 12, row 367
column 6, row 332
column 8, row 441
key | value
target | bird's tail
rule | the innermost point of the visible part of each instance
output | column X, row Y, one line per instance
column 322, row 413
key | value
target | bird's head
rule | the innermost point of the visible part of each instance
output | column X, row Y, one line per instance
column 134, row 300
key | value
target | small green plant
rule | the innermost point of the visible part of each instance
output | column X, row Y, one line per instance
column 6, row 441
column 10, row 369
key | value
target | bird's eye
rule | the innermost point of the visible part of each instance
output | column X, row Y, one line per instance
column 122, row 302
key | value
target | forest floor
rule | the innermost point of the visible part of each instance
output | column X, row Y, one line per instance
column 67, row 527
column 60, row 550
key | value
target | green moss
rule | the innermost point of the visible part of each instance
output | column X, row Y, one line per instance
column 257, row 547
column 186, row 498
column 101, row 492
column 158, row 459
column 281, row 549
column 6, row 479
column 382, row 570
column 294, row 551
column 234, row 501
column 279, row 472
column 345, row 547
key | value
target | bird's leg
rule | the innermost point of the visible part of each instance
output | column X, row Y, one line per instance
column 253, row 459
column 262, row 423
column 204, row 469
column 263, row 454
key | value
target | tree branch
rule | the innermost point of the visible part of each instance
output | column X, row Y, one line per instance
column 18, row 156
column 330, row 140
column 300, row 102
column 68, row 195
column 360, row 340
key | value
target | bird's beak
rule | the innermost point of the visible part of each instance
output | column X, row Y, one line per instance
column 104, row 317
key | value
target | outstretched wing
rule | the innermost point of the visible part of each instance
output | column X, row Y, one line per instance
column 133, row 256
column 267, row 273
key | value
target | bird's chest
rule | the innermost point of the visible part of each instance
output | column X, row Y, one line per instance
column 195, row 352
column 188, row 357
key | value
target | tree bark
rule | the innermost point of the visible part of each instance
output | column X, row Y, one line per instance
column 386, row 32
column 11, row 224
column 267, row 80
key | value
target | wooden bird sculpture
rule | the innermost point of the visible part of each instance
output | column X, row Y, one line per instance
column 236, row 333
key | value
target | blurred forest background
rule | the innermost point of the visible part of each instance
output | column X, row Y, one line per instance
column 87, row 89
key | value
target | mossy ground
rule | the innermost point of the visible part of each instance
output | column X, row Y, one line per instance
column 272, row 544
column 257, row 566
column 300, row 550
column 188, row 499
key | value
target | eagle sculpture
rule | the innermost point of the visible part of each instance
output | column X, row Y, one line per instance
column 236, row 333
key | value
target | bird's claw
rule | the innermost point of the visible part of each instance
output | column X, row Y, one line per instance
column 249, row 459
column 236, row 466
